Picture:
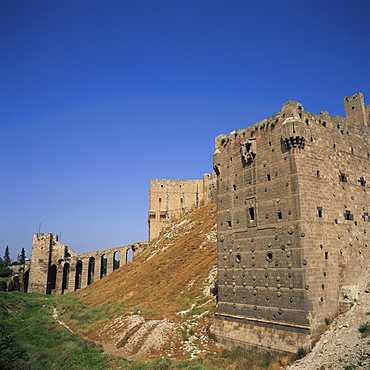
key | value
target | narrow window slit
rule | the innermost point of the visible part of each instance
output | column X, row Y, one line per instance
column 251, row 213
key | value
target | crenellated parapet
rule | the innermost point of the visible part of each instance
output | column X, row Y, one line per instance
column 293, row 226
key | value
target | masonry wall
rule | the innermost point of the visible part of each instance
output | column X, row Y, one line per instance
column 46, row 251
column 293, row 226
column 56, row 269
column 169, row 200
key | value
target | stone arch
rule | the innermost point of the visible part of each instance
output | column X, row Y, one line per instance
column 116, row 260
column 78, row 277
column 91, row 270
column 26, row 278
column 52, row 277
column 65, row 279
column 103, row 265
column 129, row 254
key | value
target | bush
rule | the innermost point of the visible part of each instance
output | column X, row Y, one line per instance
column 301, row 352
column 3, row 286
column 364, row 329
column 5, row 271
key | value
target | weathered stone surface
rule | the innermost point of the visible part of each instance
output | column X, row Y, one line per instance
column 56, row 269
column 293, row 224
column 171, row 199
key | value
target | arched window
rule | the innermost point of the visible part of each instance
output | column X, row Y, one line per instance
column 103, row 266
column 90, row 276
column 51, row 279
column 78, row 275
column 129, row 255
column 116, row 260
column 65, row 281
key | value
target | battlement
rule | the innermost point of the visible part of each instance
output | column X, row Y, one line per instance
column 293, row 224
column 356, row 112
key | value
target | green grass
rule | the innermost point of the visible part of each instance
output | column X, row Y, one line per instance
column 31, row 339
column 364, row 329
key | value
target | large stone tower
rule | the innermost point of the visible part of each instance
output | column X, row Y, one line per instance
column 46, row 252
column 293, row 225
column 169, row 200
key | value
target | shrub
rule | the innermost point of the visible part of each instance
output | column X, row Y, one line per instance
column 364, row 329
column 3, row 286
column 301, row 352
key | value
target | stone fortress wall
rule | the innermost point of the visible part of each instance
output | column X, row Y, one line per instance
column 56, row 269
column 171, row 199
column 293, row 224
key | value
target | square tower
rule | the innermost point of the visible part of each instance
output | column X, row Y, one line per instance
column 293, row 227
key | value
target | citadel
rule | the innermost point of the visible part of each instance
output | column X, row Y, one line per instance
column 293, row 225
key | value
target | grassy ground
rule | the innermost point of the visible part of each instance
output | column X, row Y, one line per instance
column 31, row 339
column 170, row 280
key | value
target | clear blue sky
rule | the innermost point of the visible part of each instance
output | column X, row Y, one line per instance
column 98, row 97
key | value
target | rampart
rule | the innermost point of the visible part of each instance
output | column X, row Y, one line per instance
column 293, row 225
column 171, row 199
column 56, row 269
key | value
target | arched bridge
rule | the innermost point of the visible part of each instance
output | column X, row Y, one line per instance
column 56, row 269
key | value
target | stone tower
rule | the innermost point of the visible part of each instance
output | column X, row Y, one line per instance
column 46, row 252
column 356, row 112
column 293, row 225
column 169, row 200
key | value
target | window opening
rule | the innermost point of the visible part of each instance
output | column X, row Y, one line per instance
column 326, row 255
column 229, row 223
column 91, row 269
column 318, row 173
column 319, row 211
column 268, row 177
column 103, row 265
column 78, row 275
column 342, row 177
column 65, row 281
column 280, row 215
column 130, row 254
column 160, row 200
column 116, row 260
column 251, row 213
column 348, row 216
column 362, row 181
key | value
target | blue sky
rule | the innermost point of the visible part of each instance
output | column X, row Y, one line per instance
column 98, row 97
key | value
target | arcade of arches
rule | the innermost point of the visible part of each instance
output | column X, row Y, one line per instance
column 56, row 269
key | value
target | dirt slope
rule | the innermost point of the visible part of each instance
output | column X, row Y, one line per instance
column 342, row 346
column 164, row 293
